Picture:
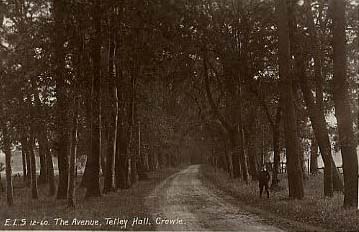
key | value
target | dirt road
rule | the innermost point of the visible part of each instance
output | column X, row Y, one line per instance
column 183, row 202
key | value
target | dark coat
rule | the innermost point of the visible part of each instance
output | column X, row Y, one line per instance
column 264, row 177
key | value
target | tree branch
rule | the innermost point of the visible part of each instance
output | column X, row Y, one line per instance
column 214, row 107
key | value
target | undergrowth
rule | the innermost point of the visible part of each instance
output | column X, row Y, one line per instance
column 314, row 209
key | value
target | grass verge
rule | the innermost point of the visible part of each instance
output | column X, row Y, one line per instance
column 123, row 204
column 314, row 209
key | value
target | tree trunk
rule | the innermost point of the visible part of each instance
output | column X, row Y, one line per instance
column 303, row 161
column 233, row 157
column 314, row 157
column 342, row 106
column 110, row 184
column 243, row 76
column 298, row 58
column 133, row 168
column 234, row 154
column 50, row 171
column 61, row 107
column 121, row 173
column 43, row 177
column 317, row 114
column 119, row 177
column 263, row 150
column 132, row 135
column 28, row 163
column 242, row 154
column 34, row 190
column 321, row 134
column 229, row 162
column 7, row 151
column 301, row 151
column 23, row 156
column 93, row 186
column 122, row 159
column 295, row 176
column 73, row 153
column 1, row 185
column 317, row 117
column 85, row 177
column 141, row 163
column 252, row 156
column 122, row 179
column 25, row 150
column 276, row 148
column 253, row 165
column 151, row 160
column 50, row 175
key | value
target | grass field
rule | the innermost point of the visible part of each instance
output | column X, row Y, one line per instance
column 314, row 209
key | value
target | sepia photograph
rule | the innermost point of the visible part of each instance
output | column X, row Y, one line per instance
column 179, row 115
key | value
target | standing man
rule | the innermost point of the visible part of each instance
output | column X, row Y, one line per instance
column 264, row 178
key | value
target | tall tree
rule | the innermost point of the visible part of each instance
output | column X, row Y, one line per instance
column 112, row 108
column 8, row 170
column 315, row 106
column 73, row 155
column 93, row 166
column 59, row 9
column 231, row 131
column 343, row 111
column 295, row 177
